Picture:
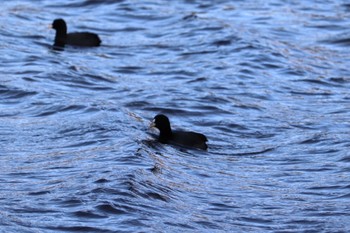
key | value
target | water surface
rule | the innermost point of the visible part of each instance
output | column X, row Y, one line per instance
column 266, row 81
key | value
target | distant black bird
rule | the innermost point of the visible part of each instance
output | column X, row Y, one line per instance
column 180, row 138
column 62, row 38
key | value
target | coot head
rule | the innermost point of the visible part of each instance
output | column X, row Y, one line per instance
column 162, row 123
column 59, row 25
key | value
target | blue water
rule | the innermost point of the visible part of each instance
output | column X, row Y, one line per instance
column 266, row 81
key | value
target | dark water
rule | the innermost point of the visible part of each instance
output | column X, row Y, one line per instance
column 267, row 82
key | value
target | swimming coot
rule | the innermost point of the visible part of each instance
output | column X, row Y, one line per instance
column 62, row 38
column 180, row 138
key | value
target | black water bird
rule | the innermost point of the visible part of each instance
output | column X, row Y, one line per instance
column 86, row 39
column 179, row 138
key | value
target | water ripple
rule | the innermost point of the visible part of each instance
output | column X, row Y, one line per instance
column 266, row 82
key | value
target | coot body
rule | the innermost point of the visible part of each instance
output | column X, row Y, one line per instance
column 86, row 39
column 179, row 138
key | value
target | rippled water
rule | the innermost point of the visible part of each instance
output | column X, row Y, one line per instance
column 267, row 82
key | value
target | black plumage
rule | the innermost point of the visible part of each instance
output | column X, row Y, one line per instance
column 86, row 39
column 175, row 137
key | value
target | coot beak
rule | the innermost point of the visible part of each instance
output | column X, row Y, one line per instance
column 153, row 124
column 50, row 26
